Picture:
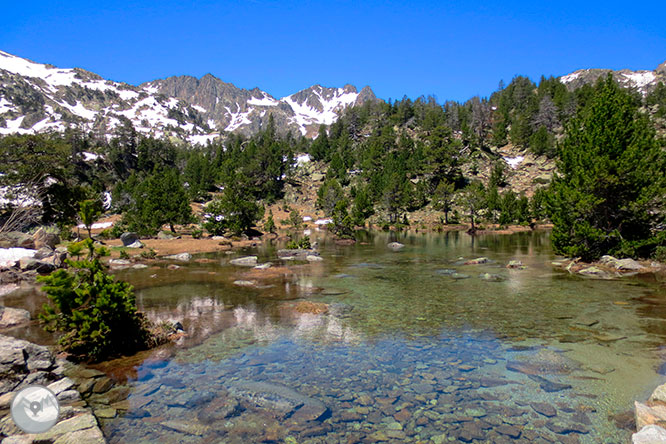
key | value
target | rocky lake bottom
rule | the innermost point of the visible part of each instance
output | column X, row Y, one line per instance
column 395, row 346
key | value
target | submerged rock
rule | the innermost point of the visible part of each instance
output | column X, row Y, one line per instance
column 458, row 276
column 446, row 271
column 242, row 283
column 477, row 261
column 183, row 257
column 247, row 261
column 222, row 407
column 278, row 401
column 595, row 272
column 515, row 264
column 396, row 246
column 544, row 409
column 548, row 385
column 296, row 254
column 492, row 277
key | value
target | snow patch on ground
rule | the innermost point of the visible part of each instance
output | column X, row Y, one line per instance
column 98, row 225
column 323, row 221
column 89, row 157
column 514, row 161
column 303, row 158
column 9, row 256
column 202, row 139
column 201, row 109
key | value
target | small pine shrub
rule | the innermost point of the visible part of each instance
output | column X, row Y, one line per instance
column 301, row 244
column 148, row 254
column 95, row 314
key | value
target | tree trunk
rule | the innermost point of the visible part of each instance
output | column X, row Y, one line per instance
column 173, row 230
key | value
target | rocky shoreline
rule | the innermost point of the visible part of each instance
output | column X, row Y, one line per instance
column 609, row 267
column 651, row 418
column 23, row 363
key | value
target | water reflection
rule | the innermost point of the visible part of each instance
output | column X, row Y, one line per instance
column 403, row 340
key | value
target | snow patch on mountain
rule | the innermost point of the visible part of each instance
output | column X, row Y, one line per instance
column 176, row 106
column 640, row 79
column 327, row 111
column 265, row 101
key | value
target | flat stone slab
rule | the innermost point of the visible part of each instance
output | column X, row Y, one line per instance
column 278, row 400
column 247, row 261
column 11, row 317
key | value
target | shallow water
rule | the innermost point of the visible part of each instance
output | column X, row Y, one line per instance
column 415, row 347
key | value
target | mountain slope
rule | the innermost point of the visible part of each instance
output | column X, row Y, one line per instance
column 642, row 81
column 35, row 97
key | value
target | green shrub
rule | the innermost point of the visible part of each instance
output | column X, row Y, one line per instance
column 148, row 254
column 95, row 314
column 660, row 254
column 65, row 232
column 124, row 255
column 197, row 233
column 269, row 226
column 118, row 229
column 301, row 244
column 105, row 234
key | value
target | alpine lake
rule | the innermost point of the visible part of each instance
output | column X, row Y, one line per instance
column 375, row 345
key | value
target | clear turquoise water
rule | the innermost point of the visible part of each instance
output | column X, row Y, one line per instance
column 406, row 353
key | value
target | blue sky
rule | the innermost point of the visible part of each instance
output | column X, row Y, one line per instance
column 453, row 50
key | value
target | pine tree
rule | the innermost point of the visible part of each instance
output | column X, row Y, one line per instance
column 160, row 199
column 609, row 194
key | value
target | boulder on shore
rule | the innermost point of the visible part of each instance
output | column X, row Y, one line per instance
column 42, row 238
column 10, row 317
column 16, row 239
column 627, row 264
column 128, row 238
column 183, row 257
column 650, row 434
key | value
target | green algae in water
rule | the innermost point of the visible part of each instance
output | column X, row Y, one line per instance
column 405, row 353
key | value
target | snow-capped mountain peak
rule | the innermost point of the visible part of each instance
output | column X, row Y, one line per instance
column 36, row 97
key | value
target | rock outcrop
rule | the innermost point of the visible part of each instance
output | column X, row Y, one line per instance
column 23, row 363
column 651, row 418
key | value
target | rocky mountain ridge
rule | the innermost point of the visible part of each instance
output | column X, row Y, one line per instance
column 642, row 81
column 35, row 97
